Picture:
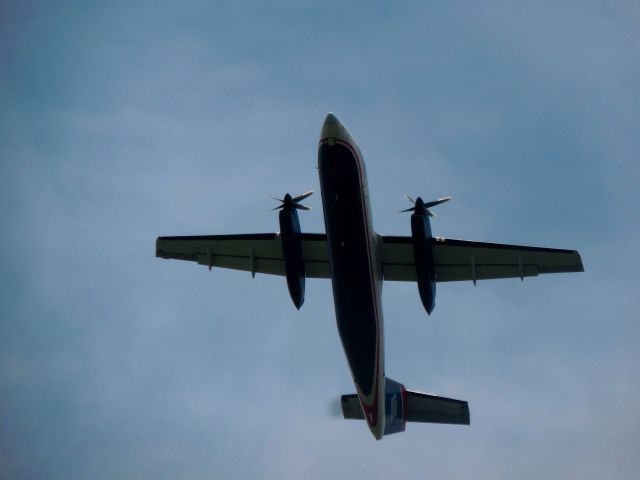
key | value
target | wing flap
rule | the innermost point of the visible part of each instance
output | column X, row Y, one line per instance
column 267, row 266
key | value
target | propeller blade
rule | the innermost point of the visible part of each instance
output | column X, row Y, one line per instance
column 302, row 197
column 410, row 199
column 437, row 202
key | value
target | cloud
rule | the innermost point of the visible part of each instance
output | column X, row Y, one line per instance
column 121, row 123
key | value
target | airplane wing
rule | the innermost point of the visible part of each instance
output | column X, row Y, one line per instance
column 254, row 252
column 457, row 260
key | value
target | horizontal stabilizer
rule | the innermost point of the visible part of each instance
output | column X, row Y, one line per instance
column 421, row 407
column 425, row 408
column 351, row 409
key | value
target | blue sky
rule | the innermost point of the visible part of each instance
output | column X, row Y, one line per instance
column 123, row 121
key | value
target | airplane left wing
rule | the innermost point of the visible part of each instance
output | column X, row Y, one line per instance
column 253, row 252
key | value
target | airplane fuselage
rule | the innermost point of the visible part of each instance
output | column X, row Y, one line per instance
column 355, row 271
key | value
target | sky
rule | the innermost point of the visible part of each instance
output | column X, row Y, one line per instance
column 123, row 121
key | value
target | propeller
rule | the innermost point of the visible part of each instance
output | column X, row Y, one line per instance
column 422, row 208
column 293, row 202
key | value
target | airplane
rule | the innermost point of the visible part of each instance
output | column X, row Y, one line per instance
column 357, row 260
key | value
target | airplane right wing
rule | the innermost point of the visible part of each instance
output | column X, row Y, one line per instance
column 457, row 260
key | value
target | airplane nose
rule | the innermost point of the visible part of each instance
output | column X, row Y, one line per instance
column 332, row 128
column 331, row 119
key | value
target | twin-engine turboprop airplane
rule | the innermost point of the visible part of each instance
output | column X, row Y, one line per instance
column 357, row 260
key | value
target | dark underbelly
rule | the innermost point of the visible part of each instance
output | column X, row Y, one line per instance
column 352, row 278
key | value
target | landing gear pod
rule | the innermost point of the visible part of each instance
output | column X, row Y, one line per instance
column 292, row 246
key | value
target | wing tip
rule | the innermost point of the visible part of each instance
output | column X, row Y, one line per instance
column 579, row 265
column 158, row 250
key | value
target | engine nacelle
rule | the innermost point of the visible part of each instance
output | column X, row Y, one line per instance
column 292, row 253
column 423, row 253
